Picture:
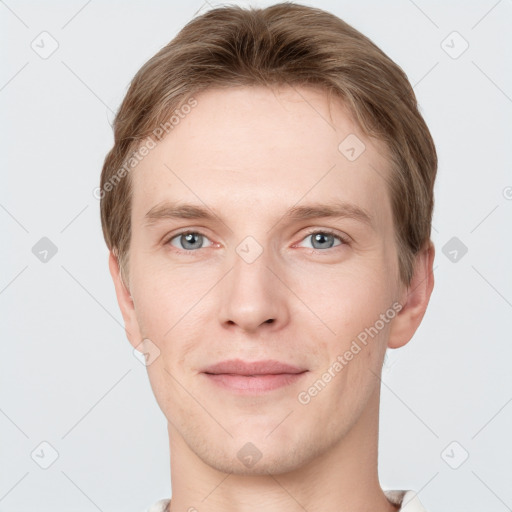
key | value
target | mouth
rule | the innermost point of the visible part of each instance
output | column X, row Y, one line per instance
column 253, row 377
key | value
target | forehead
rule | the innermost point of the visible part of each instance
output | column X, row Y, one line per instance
column 254, row 147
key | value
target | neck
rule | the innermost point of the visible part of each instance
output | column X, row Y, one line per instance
column 343, row 479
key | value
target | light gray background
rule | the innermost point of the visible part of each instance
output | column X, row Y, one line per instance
column 68, row 376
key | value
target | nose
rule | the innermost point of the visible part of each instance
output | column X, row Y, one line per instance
column 252, row 297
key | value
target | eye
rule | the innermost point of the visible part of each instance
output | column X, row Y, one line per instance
column 188, row 241
column 324, row 240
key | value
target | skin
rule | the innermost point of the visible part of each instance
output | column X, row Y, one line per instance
column 249, row 154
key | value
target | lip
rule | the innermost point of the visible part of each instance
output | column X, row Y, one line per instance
column 253, row 377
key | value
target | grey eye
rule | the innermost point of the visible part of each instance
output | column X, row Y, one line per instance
column 188, row 241
column 323, row 240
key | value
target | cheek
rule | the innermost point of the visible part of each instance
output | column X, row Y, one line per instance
column 172, row 308
column 168, row 298
column 346, row 301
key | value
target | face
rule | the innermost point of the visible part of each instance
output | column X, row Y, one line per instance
column 236, row 258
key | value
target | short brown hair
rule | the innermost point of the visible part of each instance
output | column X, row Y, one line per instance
column 286, row 44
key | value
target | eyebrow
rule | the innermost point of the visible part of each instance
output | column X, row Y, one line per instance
column 338, row 210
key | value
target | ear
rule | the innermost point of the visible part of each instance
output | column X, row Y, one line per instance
column 125, row 301
column 414, row 298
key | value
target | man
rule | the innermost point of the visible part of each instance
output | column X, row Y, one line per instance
column 267, row 206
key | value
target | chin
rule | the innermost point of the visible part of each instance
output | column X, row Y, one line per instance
column 276, row 465
column 241, row 457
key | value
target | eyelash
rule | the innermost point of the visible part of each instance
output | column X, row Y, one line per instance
column 344, row 240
